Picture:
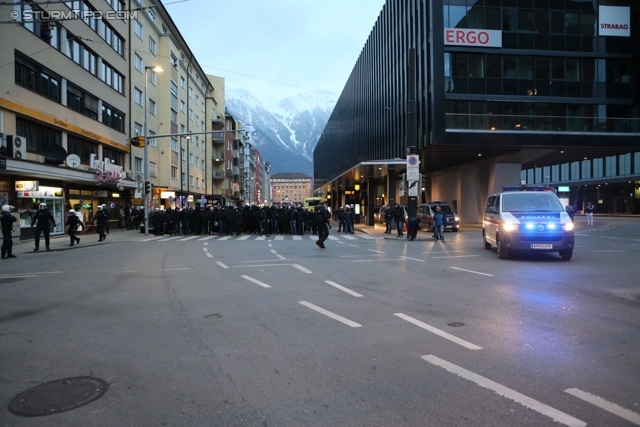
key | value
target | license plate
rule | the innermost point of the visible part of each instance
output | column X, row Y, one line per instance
column 541, row 246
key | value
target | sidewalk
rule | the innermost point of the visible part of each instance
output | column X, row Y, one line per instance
column 60, row 242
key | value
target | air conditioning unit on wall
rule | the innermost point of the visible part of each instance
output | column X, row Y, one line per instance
column 17, row 146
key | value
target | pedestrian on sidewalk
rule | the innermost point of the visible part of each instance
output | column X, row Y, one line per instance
column 589, row 212
column 73, row 222
column 412, row 228
column 398, row 216
column 322, row 221
column 42, row 221
column 6, row 222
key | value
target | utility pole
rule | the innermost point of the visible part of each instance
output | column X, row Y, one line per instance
column 413, row 163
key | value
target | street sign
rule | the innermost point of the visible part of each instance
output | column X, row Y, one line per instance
column 413, row 167
column 413, row 188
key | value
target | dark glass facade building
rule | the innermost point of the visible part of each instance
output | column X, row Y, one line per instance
column 552, row 80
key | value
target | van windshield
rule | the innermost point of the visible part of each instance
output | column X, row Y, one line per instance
column 531, row 202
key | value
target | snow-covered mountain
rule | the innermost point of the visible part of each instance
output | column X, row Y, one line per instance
column 287, row 135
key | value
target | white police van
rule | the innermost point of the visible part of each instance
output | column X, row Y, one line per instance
column 527, row 218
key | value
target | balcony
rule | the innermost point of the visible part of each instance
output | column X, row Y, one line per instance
column 217, row 155
column 217, row 137
column 218, row 175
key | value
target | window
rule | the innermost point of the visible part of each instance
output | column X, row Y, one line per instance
column 137, row 129
column 37, row 78
column 190, row 179
column 152, row 45
column 184, row 178
column 152, row 107
column 112, row 117
column 190, row 114
column 116, row 157
column 153, row 169
column 152, row 141
column 82, row 147
column 137, row 166
column 137, row 96
column 190, row 158
column 183, row 154
column 197, row 182
column 197, row 100
column 81, row 101
column 174, row 144
column 182, row 82
column 197, row 161
column 183, row 107
column 174, row 172
column 153, row 77
column 137, row 63
column 152, row 13
column 137, row 28
column 112, row 77
column 190, row 92
column 202, row 164
column 174, row 116
column 174, row 61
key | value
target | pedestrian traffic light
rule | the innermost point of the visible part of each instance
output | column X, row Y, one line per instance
column 137, row 141
column 147, row 187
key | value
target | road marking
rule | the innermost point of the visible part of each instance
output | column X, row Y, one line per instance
column 260, row 265
column 368, row 237
column 207, row 238
column 170, row 238
column 301, row 268
column 281, row 257
column 525, row 401
column 18, row 276
column 612, row 250
column 22, row 274
column 439, row 252
column 273, row 251
column 221, row 264
column 162, row 269
column 454, row 256
column 332, row 238
column 209, row 255
column 225, row 238
column 354, row 246
column 378, row 252
column 257, row 282
column 376, row 260
column 297, row 237
column 350, row 237
column 312, row 237
column 471, row 271
column 267, row 260
column 245, row 237
column 261, row 237
column 412, row 259
column 330, row 314
column 342, row 288
column 205, row 249
column 152, row 238
column 188, row 238
column 279, row 238
column 438, row 332
column 205, row 244
column 607, row 406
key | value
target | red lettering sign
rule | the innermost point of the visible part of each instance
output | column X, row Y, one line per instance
column 471, row 37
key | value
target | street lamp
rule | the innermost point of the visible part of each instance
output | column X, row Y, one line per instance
column 156, row 69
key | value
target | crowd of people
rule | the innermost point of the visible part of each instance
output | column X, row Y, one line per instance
column 228, row 220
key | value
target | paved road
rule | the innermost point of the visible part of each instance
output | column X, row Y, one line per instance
column 373, row 331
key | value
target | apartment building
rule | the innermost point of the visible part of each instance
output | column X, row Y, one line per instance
column 179, row 100
column 291, row 187
column 64, row 111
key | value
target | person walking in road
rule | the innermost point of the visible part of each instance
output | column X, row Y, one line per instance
column 6, row 222
column 412, row 228
column 388, row 218
column 42, row 220
column 589, row 212
column 73, row 222
column 101, row 219
column 439, row 222
column 322, row 221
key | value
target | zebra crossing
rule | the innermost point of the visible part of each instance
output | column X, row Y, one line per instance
column 279, row 237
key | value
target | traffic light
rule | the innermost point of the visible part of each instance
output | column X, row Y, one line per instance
column 147, row 187
column 137, row 141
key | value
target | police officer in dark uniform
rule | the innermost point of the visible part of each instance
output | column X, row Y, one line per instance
column 101, row 220
column 73, row 222
column 42, row 219
column 6, row 222
column 322, row 222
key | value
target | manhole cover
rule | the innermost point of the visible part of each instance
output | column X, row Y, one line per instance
column 455, row 324
column 10, row 279
column 58, row 396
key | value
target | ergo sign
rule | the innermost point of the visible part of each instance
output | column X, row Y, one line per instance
column 471, row 37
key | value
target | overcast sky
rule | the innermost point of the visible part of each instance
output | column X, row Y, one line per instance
column 277, row 48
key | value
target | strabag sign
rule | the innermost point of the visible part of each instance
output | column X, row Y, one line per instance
column 471, row 37
column 614, row 21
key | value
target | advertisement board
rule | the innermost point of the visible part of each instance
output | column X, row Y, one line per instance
column 614, row 21
column 472, row 37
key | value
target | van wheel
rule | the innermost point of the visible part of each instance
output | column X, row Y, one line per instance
column 566, row 255
column 487, row 245
column 503, row 253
